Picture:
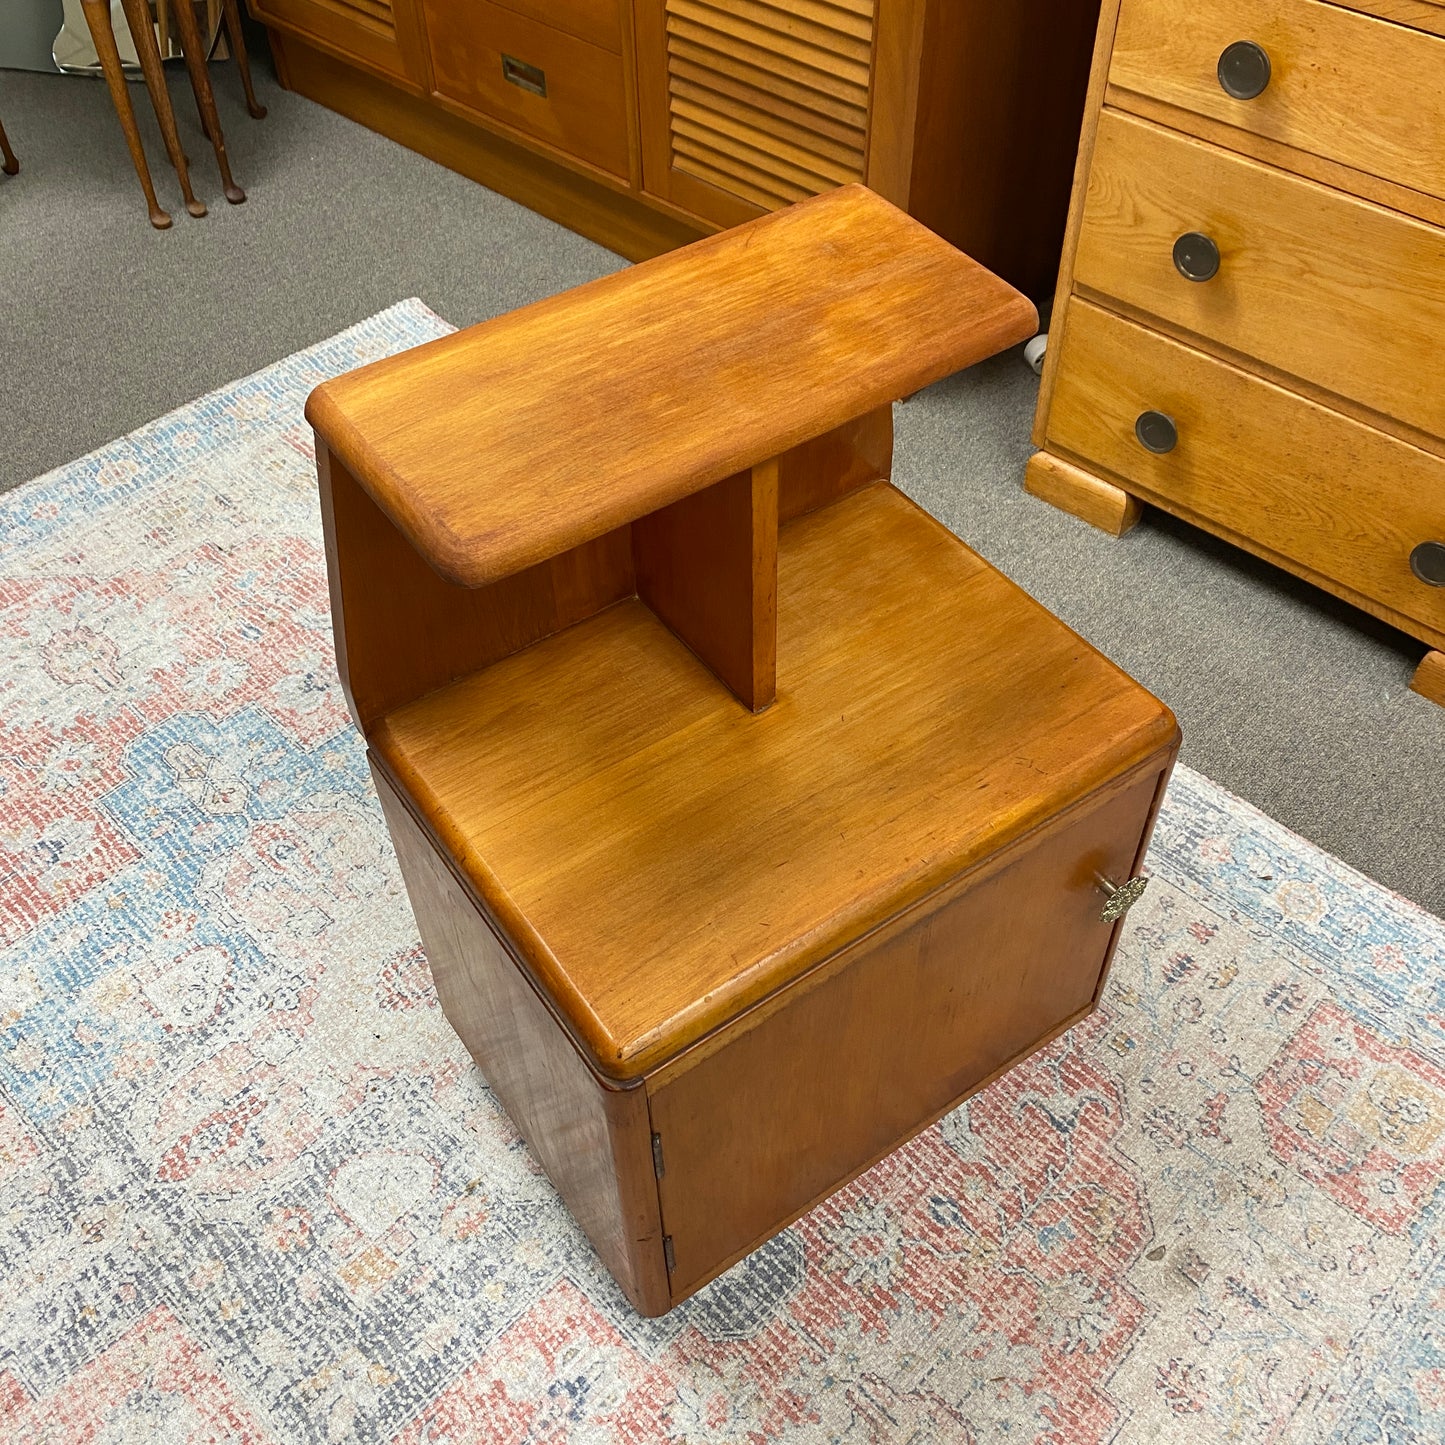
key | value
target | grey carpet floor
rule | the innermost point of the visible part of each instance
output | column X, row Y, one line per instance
column 1294, row 702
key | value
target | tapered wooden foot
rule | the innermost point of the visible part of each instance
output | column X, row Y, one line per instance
column 194, row 51
column 138, row 17
column 237, row 38
column 10, row 166
column 1072, row 489
column 97, row 17
column 1429, row 679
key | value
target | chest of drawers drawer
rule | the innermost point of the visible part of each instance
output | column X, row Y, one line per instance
column 549, row 83
column 597, row 21
column 1320, row 78
column 1318, row 284
column 1310, row 487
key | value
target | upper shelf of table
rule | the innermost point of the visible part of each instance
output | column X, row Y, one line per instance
column 518, row 439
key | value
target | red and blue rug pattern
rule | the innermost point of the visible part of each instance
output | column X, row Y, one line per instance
column 253, row 1190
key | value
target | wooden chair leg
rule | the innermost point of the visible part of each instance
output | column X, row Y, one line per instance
column 243, row 61
column 194, row 51
column 11, row 165
column 97, row 17
column 138, row 17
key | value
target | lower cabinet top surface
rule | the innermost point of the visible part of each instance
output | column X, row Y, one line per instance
column 664, row 858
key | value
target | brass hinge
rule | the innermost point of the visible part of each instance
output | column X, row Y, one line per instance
column 658, row 1167
column 667, row 1253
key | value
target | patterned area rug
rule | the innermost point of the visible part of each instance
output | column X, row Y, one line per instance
column 251, row 1188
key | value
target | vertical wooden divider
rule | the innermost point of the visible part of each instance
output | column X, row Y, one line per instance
column 708, row 567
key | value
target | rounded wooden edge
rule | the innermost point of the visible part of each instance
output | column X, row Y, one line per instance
column 1099, row 503
column 1429, row 678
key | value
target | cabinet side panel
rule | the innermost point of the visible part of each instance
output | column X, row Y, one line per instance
column 914, row 1018
column 402, row 630
column 1000, row 103
column 593, row 1141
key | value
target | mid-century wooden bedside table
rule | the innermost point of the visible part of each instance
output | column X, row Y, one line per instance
column 751, row 821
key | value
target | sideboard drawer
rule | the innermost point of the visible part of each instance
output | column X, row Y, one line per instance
column 1337, row 84
column 552, row 85
column 1340, row 499
column 1319, row 284
column 597, row 21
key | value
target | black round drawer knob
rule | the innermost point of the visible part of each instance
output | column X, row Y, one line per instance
column 1196, row 257
column 1156, row 432
column 1243, row 69
column 1427, row 562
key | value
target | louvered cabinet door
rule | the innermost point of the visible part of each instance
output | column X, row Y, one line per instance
column 383, row 35
column 748, row 105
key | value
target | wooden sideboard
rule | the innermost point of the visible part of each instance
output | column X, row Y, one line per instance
column 648, row 123
column 1252, row 296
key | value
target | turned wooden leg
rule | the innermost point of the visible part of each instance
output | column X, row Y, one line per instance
column 11, row 165
column 97, row 17
column 137, row 15
column 243, row 61
column 194, row 51
column 1429, row 679
column 1072, row 489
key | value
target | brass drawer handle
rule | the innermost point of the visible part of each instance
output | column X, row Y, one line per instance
column 1120, row 897
column 530, row 78
column 1427, row 562
column 1196, row 257
column 1157, row 432
column 1243, row 70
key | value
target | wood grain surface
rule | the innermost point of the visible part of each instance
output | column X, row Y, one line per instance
column 1429, row 679
column 663, row 859
column 1343, row 500
column 1418, row 14
column 414, row 632
column 840, row 461
column 708, row 567
column 1093, row 500
column 1314, row 167
column 520, row 438
column 1342, row 85
column 585, row 111
column 1321, row 285
column 594, row 1141
column 598, row 21
column 418, row 632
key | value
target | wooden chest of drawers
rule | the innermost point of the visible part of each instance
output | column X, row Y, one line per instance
column 1251, row 305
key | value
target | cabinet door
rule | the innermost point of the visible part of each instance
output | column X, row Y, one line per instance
column 748, row 105
column 890, row 1034
column 383, row 35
